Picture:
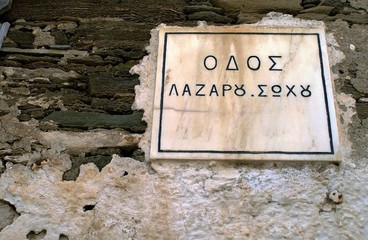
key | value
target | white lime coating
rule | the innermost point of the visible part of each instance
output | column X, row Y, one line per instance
column 187, row 200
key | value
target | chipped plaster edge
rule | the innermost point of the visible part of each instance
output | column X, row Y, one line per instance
column 147, row 68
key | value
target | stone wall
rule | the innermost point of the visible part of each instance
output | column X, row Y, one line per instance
column 72, row 140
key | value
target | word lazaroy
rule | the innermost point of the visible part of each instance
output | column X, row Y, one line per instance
column 253, row 63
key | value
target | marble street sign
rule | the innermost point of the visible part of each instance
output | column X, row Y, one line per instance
column 244, row 94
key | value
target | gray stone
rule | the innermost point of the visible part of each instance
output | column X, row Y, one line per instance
column 22, row 39
column 37, row 113
column 115, row 106
column 40, row 64
column 19, row 91
column 360, row 83
column 19, row 155
column 314, row 2
column 25, row 59
column 359, row 4
column 9, row 43
column 22, row 24
column 60, row 38
column 9, row 63
column 54, row 75
column 134, row 54
column 332, row 3
column 233, row 7
column 107, row 86
column 68, row 27
column 319, row 10
column 138, row 154
column 24, row 117
column 363, row 100
column 201, row 8
column 210, row 17
column 353, row 18
column 61, row 47
column 93, row 60
column 307, row 6
column 4, row 136
column 4, row 108
column 315, row 16
column 122, row 69
column 69, row 19
column 365, row 123
column 199, row 2
column 112, row 60
column 42, row 39
column 362, row 109
column 11, row 129
column 93, row 120
column 41, row 51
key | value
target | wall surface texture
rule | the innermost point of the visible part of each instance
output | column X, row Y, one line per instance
column 76, row 88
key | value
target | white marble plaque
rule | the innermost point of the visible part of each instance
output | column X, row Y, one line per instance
column 244, row 93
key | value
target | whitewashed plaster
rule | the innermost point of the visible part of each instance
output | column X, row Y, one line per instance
column 190, row 199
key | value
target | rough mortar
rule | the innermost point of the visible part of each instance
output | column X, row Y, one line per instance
column 129, row 199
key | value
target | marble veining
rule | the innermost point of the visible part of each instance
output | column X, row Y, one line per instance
column 243, row 93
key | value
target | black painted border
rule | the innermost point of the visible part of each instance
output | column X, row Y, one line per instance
column 246, row 152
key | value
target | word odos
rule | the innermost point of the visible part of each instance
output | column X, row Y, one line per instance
column 253, row 63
